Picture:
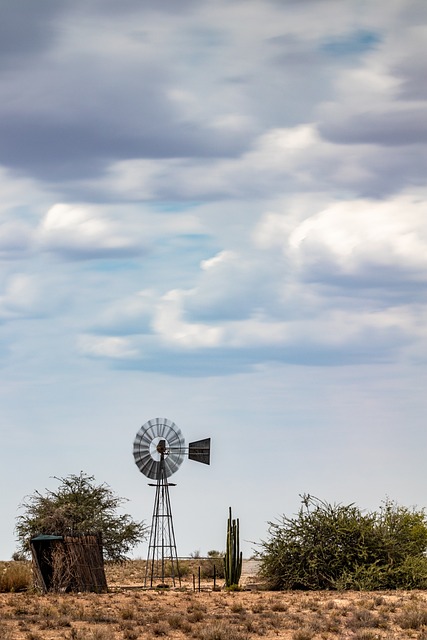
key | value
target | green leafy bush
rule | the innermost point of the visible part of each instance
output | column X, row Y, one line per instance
column 79, row 506
column 337, row 546
column 213, row 567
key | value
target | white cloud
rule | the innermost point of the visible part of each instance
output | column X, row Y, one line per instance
column 356, row 237
column 128, row 315
column 22, row 297
column 280, row 160
column 170, row 325
column 217, row 260
column 112, row 347
column 275, row 292
column 81, row 230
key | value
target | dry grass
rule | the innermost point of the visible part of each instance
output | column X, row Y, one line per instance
column 15, row 576
column 133, row 614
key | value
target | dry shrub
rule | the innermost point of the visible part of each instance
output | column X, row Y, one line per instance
column 177, row 621
column 362, row 618
column 258, row 607
column 303, row 634
column 5, row 632
column 332, row 624
column 365, row 634
column 127, row 613
column 273, row 621
column 15, row 576
column 196, row 612
column 160, row 629
column 97, row 615
column 33, row 635
column 279, row 606
column 211, row 567
column 183, row 568
column 195, row 616
column 89, row 634
column 220, row 631
column 413, row 619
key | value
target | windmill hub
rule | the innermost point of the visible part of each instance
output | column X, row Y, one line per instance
column 161, row 447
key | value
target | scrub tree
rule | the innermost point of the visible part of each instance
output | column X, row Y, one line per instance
column 80, row 506
column 335, row 546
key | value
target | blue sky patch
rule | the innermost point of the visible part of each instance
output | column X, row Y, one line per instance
column 351, row 44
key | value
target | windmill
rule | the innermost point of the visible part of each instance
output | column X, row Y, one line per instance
column 159, row 449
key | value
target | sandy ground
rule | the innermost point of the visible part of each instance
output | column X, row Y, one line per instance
column 129, row 612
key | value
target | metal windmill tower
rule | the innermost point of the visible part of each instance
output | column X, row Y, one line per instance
column 159, row 449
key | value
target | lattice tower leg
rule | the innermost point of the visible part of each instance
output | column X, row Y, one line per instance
column 162, row 559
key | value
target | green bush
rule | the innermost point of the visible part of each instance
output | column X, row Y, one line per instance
column 80, row 506
column 338, row 547
column 212, row 566
column 182, row 568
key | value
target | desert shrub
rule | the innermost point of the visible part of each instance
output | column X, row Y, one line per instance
column 368, row 577
column 362, row 618
column 303, row 634
column 219, row 630
column 160, row 629
column 127, row 613
column 89, row 634
column 365, row 634
column 6, row 632
column 195, row 616
column 411, row 573
column 80, row 506
column 172, row 569
column 415, row 618
column 403, row 531
column 212, row 566
column 184, row 569
column 177, row 621
column 15, row 576
column 337, row 546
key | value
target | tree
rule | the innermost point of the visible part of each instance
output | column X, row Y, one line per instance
column 338, row 547
column 78, row 506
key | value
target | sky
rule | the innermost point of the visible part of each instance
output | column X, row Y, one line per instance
column 214, row 212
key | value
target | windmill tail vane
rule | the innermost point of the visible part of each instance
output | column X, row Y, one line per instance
column 159, row 450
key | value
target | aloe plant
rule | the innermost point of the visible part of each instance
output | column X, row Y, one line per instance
column 233, row 555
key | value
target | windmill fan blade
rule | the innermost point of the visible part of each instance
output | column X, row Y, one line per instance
column 150, row 431
column 148, row 458
column 170, row 466
column 200, row 451
column 152, row 470
column 142, row 461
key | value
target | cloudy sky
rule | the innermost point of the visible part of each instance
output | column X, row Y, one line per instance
column 214, row 212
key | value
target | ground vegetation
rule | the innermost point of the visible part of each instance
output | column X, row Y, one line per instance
column 336, row 546
column 131, row 613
